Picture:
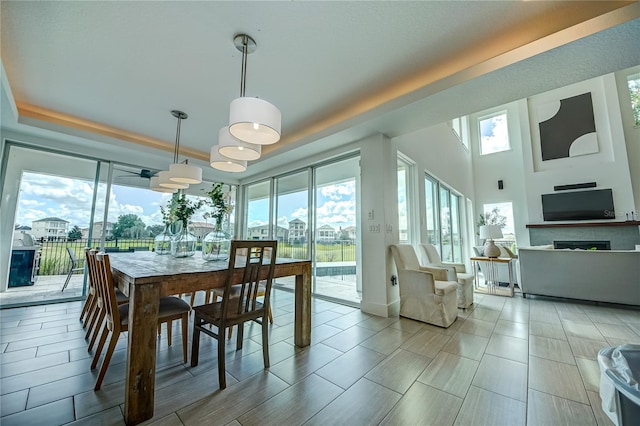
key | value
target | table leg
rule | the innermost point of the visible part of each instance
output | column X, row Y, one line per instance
column 302, row 331
column 141, row 353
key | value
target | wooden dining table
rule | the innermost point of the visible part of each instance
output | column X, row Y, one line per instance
column 145, row 277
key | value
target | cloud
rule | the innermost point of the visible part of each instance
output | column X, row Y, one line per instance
column 338, row 191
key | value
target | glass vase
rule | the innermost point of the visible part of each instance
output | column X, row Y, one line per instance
column 183, row 243
column 215, row 245
column 162, row 242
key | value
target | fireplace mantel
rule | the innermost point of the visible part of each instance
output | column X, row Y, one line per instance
column 583, row 224
column 622, row 235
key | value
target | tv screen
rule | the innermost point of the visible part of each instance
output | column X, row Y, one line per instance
column 579, row 205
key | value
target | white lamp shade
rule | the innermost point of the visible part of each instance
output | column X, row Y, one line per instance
column 254, row 120
column 234, row 148
column 225, row 164
column 164, row 181
column 185, row 173
column 155, row 186
column 490, row 232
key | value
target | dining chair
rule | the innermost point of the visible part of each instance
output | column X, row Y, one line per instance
column 96, row 310
column 235, row 292
column 250, row 262
column 75, row 267
column 117, row 317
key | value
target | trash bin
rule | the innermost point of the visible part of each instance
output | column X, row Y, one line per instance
column 619, row 387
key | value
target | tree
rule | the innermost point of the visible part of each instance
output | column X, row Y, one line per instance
column 128, row 225
column 492, row 218
column 155, row 229
column 75, row 233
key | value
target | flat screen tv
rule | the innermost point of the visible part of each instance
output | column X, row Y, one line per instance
column 578, row 205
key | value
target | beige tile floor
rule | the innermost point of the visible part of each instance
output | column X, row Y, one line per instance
column 505, row 361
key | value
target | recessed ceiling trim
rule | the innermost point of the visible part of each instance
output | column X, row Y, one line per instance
column 54, row 117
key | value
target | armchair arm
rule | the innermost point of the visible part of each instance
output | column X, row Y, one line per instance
column 416, row 282
column 459, row 267
column 439, row 273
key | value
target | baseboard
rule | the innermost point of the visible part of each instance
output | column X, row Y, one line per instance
column 389, row 310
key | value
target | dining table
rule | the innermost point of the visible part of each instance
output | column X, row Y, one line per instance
column 145, row 277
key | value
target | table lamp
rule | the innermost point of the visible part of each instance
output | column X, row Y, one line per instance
column 490, row 233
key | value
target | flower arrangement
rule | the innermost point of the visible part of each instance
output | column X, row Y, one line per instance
column 183, row 208
column 168, row 212
column 218, row 201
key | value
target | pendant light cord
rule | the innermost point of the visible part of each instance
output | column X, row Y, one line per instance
column 177, row 147
column 243, row 80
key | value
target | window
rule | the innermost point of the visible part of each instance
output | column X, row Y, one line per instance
column 404, row 199
column 459, row 127
column 633, row 82
column 494, row 133
column 501, row 214
column 443, row 220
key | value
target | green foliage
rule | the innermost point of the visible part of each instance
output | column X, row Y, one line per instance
column 129, row 225
column 218, row 201
column 492, row 218
column 184, row 208
column 155, row 230
column 75, row 233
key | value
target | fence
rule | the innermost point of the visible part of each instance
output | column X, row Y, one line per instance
column 54, row 259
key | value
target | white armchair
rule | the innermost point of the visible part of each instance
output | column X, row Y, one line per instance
column 455, row 272
column 425, row 293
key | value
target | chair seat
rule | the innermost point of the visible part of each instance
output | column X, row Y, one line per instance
column 121, row 298
column 169, row 307
column 212, row 312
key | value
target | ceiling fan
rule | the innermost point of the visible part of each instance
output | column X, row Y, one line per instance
column 144, row 173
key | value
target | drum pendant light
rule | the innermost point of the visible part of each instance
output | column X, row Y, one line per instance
column 234, row 148
column 179, row 175
column 226, row 164
column 252, row 120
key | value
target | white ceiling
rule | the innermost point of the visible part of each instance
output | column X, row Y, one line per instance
column 338, row 71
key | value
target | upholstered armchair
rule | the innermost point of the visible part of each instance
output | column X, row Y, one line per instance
column 455, row 272
column 425, row 293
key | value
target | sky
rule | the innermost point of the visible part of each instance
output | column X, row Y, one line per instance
column 336, row 207
column 494, row 134
column 43, row 196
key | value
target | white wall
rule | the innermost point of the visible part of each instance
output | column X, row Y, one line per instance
column 506, row 166
column 437, row 151
column 609, row 167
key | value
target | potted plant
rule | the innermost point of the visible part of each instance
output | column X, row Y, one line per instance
column 215, row 245
column 184, row 242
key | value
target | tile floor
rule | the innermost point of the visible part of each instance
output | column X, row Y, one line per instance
column 505, row 361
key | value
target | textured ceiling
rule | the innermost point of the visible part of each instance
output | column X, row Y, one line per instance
column 112, row 71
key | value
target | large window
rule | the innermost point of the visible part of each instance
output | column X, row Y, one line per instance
column 404, row 199
column 312, row 213
column 494, row 133
column 633, row 83
column 501, row 214
column 443, row 220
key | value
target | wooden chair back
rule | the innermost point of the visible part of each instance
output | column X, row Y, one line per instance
column 251, row 262
column 107, row 290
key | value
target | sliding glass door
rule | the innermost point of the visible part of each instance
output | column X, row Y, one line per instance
column 312, row 213
column 443, row 220
column 48, row 210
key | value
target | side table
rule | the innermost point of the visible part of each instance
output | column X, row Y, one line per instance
column 491, row 274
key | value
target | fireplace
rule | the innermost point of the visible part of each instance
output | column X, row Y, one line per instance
column 583, row 245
